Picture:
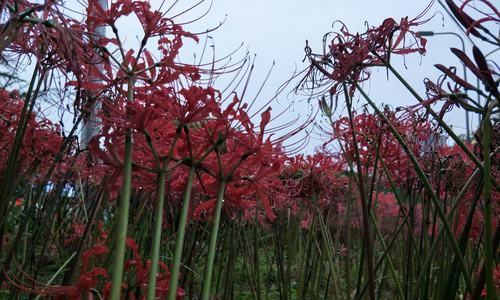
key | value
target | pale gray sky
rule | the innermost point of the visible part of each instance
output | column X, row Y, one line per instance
column 276, row 30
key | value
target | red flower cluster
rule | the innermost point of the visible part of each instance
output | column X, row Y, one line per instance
column 193, row 129
column 91, row 276
column 374, row 139
column 41, row 143
column 314, row 183
column 175, row 121
column 347, row 57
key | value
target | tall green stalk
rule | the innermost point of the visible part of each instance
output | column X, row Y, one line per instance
column 429, row 110
column 435, row 200
column 9, row 173
column 155, row 256
column 123, row 210
column 365, row 208
column 213, row 242
column 388, row 258
column 256, row 260
column 488, row 237
column 179, row 243
column 329, row 252
column 304, row 263
column 348, row 239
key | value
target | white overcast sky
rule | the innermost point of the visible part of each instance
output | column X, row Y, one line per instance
column 276, row 30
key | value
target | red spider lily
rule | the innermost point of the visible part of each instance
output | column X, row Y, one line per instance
column 387, row 210
column 84, row 286
column 152, row 22
column 88, row 280
column 349, row 56
column 453, row 96
column 248, row 162
column 313, row 182
column 374, row 139
column 151, row 76
column 263, row 161
column 157, row 124
column 319, row 175
column 140, row 269
column 40, row 144
column 454, row 170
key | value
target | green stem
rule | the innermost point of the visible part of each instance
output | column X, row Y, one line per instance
column 179, row 243
column 123, row 210
column 59, row 271
column 425, row 266
column 401, row 205
column 365, row 208
column 9, row 173
column 488, row 238
column 428, row 186
column 155, row 256
column 329, row 250
column 156, row 237
column 435, row 115
column 256, row 260
column 213, row 242
column 304, row 263
column 348, row 239
column 388, row 258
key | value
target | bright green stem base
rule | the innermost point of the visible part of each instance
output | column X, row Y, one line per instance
column 213, row 243
column 123, row 212
column 174, row 275
column 155, row 256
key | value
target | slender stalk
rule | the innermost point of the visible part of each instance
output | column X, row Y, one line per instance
column 123, row 210
column 384, row 254
column 425, row 266
column 367, row 240
column 9, row 173
column 59, row 271
column 443, row 124
column 480, row 281
column 179, row 243
column 282, row 285
column 329, row 250
column 230, row 249
column 305, row 261
column 388, row 258
column 488, row 237
column 247, row 266
column 256, row 260
column 428, row 186
column 400, row 203
column 70, row 271
column 156, row 236
column 213, row 242
column 348, row 240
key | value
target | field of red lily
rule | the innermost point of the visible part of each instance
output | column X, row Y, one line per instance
column 180, row 191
